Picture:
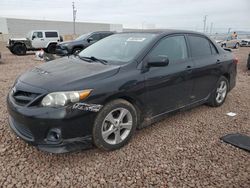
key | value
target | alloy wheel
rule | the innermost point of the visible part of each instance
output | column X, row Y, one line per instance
column 117, row 126
column 221, row 92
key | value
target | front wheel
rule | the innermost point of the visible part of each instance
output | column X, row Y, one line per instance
column 76, row 51
column 19, row 49
column 114, row 125
column 219, row 95
column 237, row 45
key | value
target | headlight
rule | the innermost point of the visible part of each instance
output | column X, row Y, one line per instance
column 58, row 99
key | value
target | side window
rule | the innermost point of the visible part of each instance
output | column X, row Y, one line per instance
column 200, row 46
column 95, row 37
column 213, row 49
column 105, row 35
column 174, row 48
column 38, row 34
column 51, row 34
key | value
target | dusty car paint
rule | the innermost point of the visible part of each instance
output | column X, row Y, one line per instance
column 156, row 92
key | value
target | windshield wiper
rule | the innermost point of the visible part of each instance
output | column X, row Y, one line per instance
column 83, row 58
column 92, row 58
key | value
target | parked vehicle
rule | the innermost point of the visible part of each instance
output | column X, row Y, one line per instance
column 77, row 45
column 117, row 85
column 35, row 40
column 245, row 43
column 228, row 42
column 248, row 62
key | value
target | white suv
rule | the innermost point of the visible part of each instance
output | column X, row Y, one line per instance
column 35, row 40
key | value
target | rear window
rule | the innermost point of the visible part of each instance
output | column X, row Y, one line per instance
column 51, row 34
column 200, row 46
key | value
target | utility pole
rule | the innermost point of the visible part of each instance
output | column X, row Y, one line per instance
column 205, row 22
column 211, row 28
column 74, row 17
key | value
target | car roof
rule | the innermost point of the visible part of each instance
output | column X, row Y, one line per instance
column 42, row 30
column 165, row 31
column 102, row 32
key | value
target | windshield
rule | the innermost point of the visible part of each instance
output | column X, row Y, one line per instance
column 28, row 35
column 82, row 36
column 118, row 48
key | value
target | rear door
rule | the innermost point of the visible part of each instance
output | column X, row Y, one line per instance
column 169, row 88
column 207, row 66
column 51, row 36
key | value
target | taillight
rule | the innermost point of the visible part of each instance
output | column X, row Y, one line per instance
column 235, row 60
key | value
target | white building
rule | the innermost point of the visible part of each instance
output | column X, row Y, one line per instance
column 12, row 27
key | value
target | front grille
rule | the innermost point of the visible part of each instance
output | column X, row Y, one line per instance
column 22, row 130
column 24, row 97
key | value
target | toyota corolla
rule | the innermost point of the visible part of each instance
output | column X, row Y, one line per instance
column 122, row 83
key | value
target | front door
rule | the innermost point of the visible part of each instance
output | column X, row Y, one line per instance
column 169, row 88
column 38, row 40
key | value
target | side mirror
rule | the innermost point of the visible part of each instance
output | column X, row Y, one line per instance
column 158, row 61
column 90, row 39
column 33, row 37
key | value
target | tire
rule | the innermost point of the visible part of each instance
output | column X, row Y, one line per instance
column 219, row 94
column 19, row 49
column 51, row 49
column 108, row 132
column 76, row 50
column 237, row 45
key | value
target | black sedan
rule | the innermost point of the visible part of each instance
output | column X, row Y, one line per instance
column 117, row 85
column 248, row 62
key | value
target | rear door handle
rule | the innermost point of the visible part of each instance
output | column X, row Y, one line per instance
column 189, row 68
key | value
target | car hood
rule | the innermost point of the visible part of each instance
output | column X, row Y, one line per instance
column 248, row 40
column 71, row 42
column 218, row 41
column 68, row 74
column 18, row 39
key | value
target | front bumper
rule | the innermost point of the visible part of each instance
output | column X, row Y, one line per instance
column 33, row 125
column 61, row 51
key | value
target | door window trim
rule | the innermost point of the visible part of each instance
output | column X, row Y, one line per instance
column 162, row 38
column 201, row 36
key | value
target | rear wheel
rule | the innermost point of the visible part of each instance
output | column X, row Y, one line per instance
column 51, row 48
column 19, row 49
column 114, row 125
column 219, row 95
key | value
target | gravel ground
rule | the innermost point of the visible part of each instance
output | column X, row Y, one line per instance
column 183, row 150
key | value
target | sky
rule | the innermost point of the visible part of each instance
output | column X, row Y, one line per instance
column 179, row 14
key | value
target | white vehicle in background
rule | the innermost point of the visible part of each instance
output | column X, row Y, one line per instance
column 35, row 40
column 245, row 42
column 227, row 42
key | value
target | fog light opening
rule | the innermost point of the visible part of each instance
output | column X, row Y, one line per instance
column 54, row 135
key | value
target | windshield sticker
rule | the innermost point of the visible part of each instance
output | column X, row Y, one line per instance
column 87, row 107
column 133, row 39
